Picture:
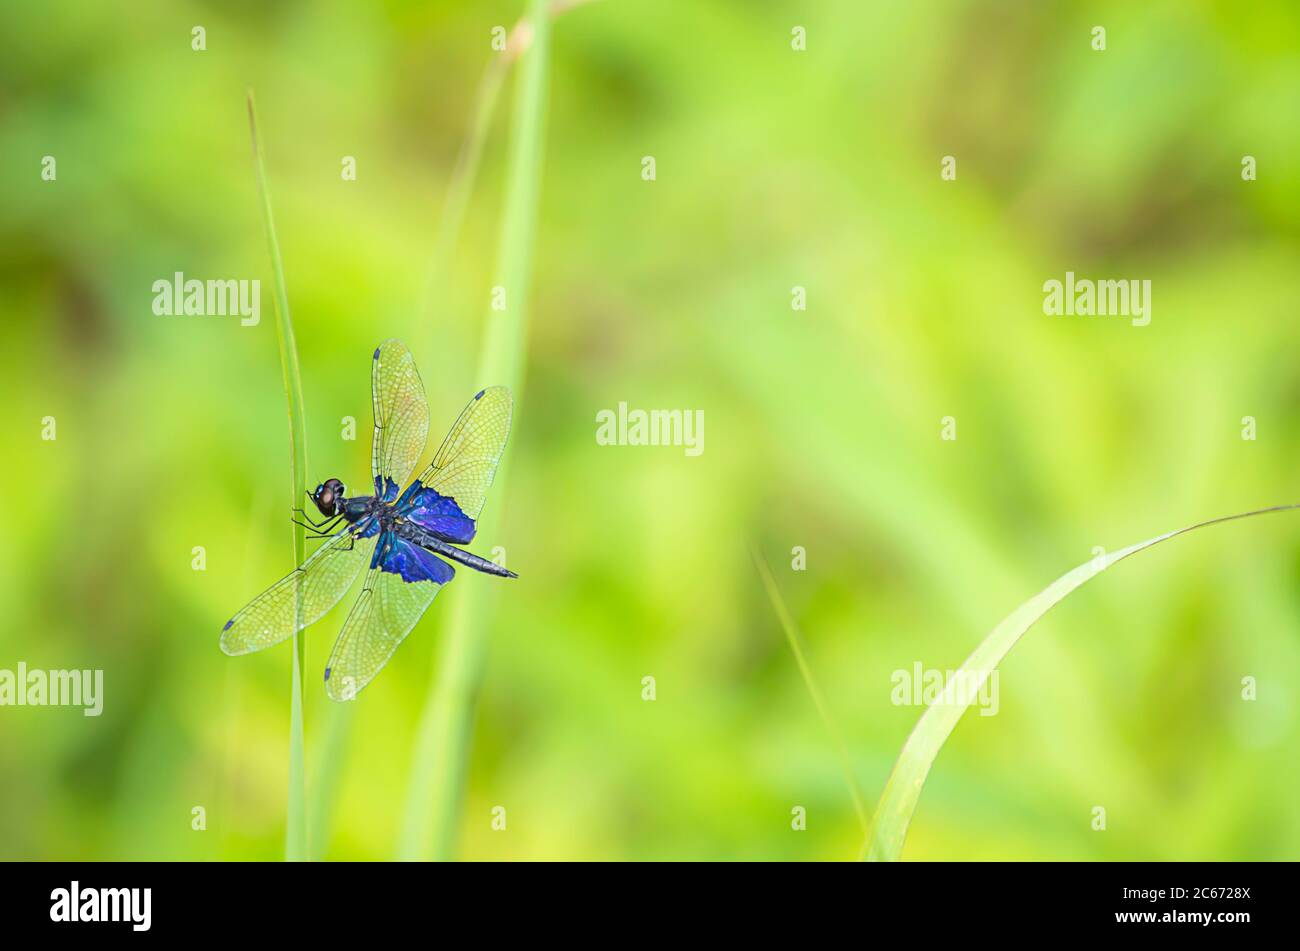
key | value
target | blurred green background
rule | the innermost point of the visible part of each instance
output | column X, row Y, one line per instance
column 775, row 168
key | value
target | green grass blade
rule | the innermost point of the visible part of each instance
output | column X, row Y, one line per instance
column 295, row 836
column 903, row 788
column 795, row 640
column 432, row 815
column 327, row 776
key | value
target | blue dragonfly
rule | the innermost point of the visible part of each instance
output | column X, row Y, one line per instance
column 404, row 539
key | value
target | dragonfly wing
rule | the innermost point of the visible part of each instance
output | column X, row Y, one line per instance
column 319, row 582
column 401, row 418
column 449, row 495
column 401, row 585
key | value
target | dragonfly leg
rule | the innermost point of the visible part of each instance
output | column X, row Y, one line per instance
column 307, row 516
column 307, row 521
column 321, row 530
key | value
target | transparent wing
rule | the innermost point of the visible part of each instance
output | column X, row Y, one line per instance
column 401, row 585
column 401, row 417
column 321, row 581
column 463, row 468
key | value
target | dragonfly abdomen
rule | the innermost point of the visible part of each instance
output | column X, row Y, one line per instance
column 427, row 540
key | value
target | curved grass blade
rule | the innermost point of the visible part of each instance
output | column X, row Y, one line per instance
column 902, row 790
column 796, row 646
column 295, row 834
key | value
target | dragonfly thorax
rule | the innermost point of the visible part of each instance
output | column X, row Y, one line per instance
column 387, row 515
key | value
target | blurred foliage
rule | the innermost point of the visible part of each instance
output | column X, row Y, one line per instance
column 774, row 168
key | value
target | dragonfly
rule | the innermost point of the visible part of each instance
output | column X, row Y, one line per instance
column 404, row 539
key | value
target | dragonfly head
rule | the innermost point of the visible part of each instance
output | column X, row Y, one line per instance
column 329, row 497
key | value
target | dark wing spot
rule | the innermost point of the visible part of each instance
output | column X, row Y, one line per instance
column 479, row 394
column 376, row 356
column 228, row 623
column 327, row 673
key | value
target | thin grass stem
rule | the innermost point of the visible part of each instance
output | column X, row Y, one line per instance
column 468, row 160
column 295, row 836
column 795, row 639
